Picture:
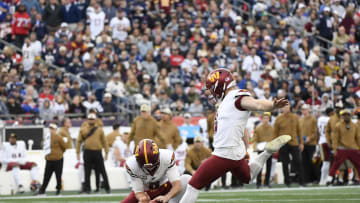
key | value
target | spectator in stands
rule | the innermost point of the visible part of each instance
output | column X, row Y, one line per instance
column 70, row 14
column 179, row 94
column 145, row 126
column 149, row 66
column 53, row 15
column 60, row 106
column 132, row 86
column 21, row 25
column 92, row 103
column 120, row 25
column 169, row 131
column 76, row 107
column 47, row 112
column 341, row 38
column 108, row 104
column 29, row 106
column 196, row 108
column 325, row 25
column 30, row 4
column 115, row 86
column 109, row 10
column 103, row 74
column 13, row 106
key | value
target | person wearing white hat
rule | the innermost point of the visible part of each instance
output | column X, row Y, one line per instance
column 54, row 147
column 309, row 132
column 169, row 130
column 338, row 8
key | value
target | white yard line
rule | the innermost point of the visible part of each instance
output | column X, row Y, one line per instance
column 203, row 192
column 282, row 200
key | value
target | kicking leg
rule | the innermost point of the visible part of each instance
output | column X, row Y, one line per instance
column 271, row 147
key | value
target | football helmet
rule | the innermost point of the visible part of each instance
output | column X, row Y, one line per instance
column 217, row 82
column 147, row 155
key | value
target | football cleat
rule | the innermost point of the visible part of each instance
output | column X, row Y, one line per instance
column 20, row 189
column 275, row 144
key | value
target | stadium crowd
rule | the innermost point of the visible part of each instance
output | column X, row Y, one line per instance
column 116, row 52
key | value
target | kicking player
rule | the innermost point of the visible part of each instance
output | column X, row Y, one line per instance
column 229, row 140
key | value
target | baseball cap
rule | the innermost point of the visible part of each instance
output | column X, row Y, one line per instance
column 146, row 76
column 305, row 107
column 267, row 114
column 106, row 95
column 339, row 105
column 166, row 111
column 345, row 111
column 64, row 25
column 187, row 115
column 198, row 138
column 53, row 126
column 327, row 9
column 144, row 108
column 92, row 116
column 12, row 135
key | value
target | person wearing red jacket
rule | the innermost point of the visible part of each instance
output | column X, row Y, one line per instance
column 21, row 25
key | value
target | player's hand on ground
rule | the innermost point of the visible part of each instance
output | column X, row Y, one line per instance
column 162, row 199
column 280, row 103
column 144, row 199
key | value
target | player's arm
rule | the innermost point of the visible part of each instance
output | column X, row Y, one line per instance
column 174, row 177
column 137, row 186
column 246, row 138
column 251, row 104
column 117, row 154
column 79, row 140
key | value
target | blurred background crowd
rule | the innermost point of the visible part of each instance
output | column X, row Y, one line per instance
column 115, row 55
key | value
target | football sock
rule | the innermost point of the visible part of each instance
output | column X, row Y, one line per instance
column 324, row 172
column 329, row 179
column 81, row 173
column 190, row 195
column 257, row 164
column 34, row 172
column 17, row 178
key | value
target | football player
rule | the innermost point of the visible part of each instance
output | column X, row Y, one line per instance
column 154, row 175
column 16, row 160
column 229, row 140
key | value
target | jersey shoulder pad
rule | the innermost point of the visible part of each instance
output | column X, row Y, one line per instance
column 167, row 157
column 131, row 166
column 242, row 92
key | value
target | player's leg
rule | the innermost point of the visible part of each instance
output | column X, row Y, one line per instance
column 184, row 182
column 268, row 171
column 15, row 168
column 270, row 147
column 339, row 158
column 130, row 198
column 87, row 166
column 49, row 169
column 354, row 157
column 102, row 171
column 58, row 173
column 241, row 170
column 210, row 170
column 295, row 153
column 285, row 159
column 325, row 155
column 32, row 166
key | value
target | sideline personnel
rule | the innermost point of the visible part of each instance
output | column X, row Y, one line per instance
column 94, row 141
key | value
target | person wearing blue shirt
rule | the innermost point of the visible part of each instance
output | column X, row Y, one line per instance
column 70, row 14
column 242, row 83
column 4, row 9
column 32, row 4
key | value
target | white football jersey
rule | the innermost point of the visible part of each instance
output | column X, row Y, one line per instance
column 142, row 181
column 29, row 54
column 97, row 22
column 322, row 122
column 180, row 155
column 230, row 124
column 125, row 151
column 15, row 153
column 119, row 28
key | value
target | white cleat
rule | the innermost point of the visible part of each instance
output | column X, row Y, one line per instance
column 275, row 144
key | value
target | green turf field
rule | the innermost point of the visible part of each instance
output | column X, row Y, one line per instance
column 293, row 195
